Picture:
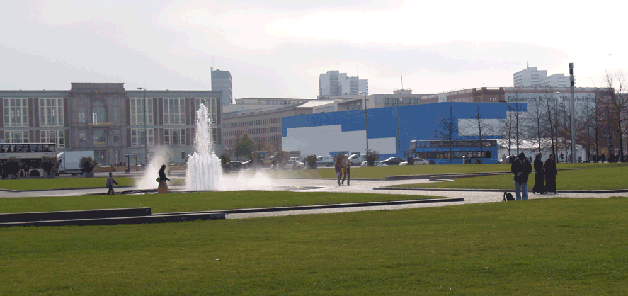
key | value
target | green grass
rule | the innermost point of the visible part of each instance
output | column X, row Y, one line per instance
column 382, row 172
column 538, row 247
column 61, row 183
column 606, row 177
column 185, row 202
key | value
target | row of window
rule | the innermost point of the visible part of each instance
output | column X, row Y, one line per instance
column 52, row 136
column 271, row 139
column 255, row 122
column 51, row 111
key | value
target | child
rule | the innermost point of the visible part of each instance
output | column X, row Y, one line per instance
column 110, row 182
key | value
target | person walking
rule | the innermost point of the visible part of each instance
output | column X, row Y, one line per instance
column 521, row 168
column 110, row 182
column 550, row 174
column 163, row 186
column 347, row 171
column 539, row 175
column 338, row 168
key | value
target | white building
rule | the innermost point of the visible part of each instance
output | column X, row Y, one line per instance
column 532, row 77
column 221, row 81
column 556, row 80
column 334, row 83
column 529, row 77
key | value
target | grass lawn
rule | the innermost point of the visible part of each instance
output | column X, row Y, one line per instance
column 606, row 177
column 538, row 247
column 382, row 172
column 61, row 183
column 186, row 202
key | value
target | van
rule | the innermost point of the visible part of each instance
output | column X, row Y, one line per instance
column 326, row 160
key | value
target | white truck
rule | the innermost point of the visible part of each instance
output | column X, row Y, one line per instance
column 70, row 162
column 327, row 160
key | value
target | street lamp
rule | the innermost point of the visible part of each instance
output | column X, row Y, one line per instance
column 398, row 138
column 145, row 130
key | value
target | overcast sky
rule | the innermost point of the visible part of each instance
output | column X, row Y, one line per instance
column 278, row 48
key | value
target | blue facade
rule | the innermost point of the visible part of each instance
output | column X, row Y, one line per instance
column 389, row 129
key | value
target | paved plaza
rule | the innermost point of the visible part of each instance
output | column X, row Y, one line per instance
column 318, row 185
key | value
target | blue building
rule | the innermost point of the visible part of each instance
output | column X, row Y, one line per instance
column 390, row 130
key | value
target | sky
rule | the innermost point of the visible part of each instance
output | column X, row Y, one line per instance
column 278, row 48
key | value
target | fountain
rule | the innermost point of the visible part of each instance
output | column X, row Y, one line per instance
column 204, row 170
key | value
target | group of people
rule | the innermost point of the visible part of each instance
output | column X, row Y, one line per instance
column 163, row 186
column 544, row 179
column 343, row 169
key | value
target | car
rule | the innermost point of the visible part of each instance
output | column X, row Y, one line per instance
column 416, row 160
column 235, row 166
column 296, row 165
column 356, row 159
column 392, row 161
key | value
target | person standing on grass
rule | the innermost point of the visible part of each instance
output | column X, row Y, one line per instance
column 163, row 186
column 539, row 175
column 521, row 168
column 347, row 171
column 338, row 167
column 110, row 182
column 550, row 174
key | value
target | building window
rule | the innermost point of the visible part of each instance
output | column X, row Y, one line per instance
column 54, row 136
column 100, row 156
column 50, row 112
column 137, row 111
column 100, row 137
column 117, row 136
column 16, row 112
column 174, row 136
column 138, row 137
column 16, row 136
column 99, row 112
column 174, row 111
column 210, row 103
column 82, row 136
column 81, row 116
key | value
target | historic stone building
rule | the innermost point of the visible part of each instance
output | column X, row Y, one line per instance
column 109, row 120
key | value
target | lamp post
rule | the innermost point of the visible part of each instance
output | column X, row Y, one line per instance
column 145, row 130
column 573, row 104
column 398, row 136
column 366, row 124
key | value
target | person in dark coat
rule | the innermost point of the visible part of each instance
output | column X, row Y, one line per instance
column 163, row 186
column 550, row 174
column 539, row 175
column 338, row 167
column 521, row 168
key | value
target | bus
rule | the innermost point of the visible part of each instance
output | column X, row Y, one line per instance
column 25, row 158
column 438, row 152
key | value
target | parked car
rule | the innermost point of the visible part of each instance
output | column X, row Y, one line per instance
column 356, row 159
column 235, row 166
column 392, row 161
column 296, row 164
column 416, row 161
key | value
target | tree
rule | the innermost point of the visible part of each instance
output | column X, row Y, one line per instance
column 448, row 130
column 482, row 128
column 244, row 147
column 372, row 157
column 87, row 165
column 617, row 103
column 536, row 120
column 311, row 161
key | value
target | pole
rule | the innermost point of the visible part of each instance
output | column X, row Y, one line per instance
column 145, row 129
column 398, row 140
column 573, row 104
column 366, row 124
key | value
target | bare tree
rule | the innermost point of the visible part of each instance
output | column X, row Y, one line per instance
column 482, row 128
column 448, row 130
column 617, row 102
column 535, row 124
column 516, row 110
